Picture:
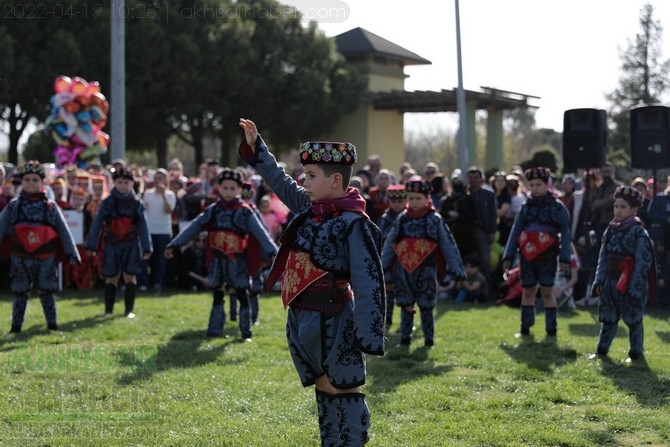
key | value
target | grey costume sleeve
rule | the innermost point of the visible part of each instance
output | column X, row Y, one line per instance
column 367, row 282
column 294, row 196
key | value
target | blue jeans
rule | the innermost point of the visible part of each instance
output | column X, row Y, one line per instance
column 158, row 262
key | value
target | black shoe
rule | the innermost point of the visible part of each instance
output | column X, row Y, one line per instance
column 525, row 331
column 551, row 333
column 15, row 330
column 429, row 343
column 52, row 327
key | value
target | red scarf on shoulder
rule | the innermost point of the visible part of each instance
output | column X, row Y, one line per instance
column 351, row 201
column 422, row 212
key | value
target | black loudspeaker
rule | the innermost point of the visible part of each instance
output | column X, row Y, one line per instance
column 584, row 138
column 650, row 137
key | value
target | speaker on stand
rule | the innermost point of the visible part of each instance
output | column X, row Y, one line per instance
column 650, row 147
column 584, row 138
column 585, row 147
column 650, row 137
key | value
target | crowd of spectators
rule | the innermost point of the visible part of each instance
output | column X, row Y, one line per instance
column 479, row 209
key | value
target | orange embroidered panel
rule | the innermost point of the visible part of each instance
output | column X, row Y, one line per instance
column 532, row 243
column 227, row 242
column 412, row 251
column 298, row 275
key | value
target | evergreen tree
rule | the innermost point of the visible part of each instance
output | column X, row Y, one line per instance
column 643, row 80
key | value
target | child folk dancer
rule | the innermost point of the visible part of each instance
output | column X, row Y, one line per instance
column 329, row 258
column 397, row 201
column 126, row 240
column 541, row 231
column 32, row 222
column 247, row 195
column 236, row 239
column 625, row 274
column 419, row 250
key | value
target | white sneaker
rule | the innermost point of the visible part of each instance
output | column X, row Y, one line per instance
column 130, row 315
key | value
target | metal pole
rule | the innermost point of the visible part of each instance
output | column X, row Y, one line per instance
column 118, row 79
column 462, row 139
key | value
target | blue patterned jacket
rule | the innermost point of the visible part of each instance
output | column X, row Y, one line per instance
column 347, row 245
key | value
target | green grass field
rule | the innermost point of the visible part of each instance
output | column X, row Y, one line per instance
column 158, row 381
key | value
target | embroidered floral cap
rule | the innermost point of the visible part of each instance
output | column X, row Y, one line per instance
column 229, row 174
column 396, row 192
column 629, row 194
column 416, row 184
column 540, row 173
column 122, row 173
column 328, row 152
column 32, row 167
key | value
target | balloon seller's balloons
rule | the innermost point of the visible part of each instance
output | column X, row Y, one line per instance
column 78, row 86
column 96, row 114
column 83, row 116
column 78, row 114
column 103, row 138
column 84, row 100
column 72, row 107
column 62, row 84
column 93, row 87
column 59, row 139
column 99, row 100
column 91, row 151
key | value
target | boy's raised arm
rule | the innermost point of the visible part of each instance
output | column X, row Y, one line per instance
column 250, row 131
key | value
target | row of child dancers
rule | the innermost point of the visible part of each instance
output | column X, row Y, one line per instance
column 421, row 254
column 329, row 254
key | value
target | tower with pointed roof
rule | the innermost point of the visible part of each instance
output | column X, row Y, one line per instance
column 375, row 131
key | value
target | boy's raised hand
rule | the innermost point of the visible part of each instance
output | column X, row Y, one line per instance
column 250, row 131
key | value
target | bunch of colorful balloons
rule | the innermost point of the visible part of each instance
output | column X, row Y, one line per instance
column 78, row 114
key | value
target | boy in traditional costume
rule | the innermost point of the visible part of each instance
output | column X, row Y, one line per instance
column 238, row 242
column 419, row 251
column 397, row 202
column 126, row 240
column 247, row 194
column 32, row 224
column 625, row 276
column 329, row 257
column 541, row 232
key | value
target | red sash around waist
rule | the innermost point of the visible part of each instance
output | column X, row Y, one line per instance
column 121, row 226
column 534, row 243
column 626, row 268
column 412, row 251
column 33, row 237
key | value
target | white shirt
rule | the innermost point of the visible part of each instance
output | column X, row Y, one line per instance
column 158, row 221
